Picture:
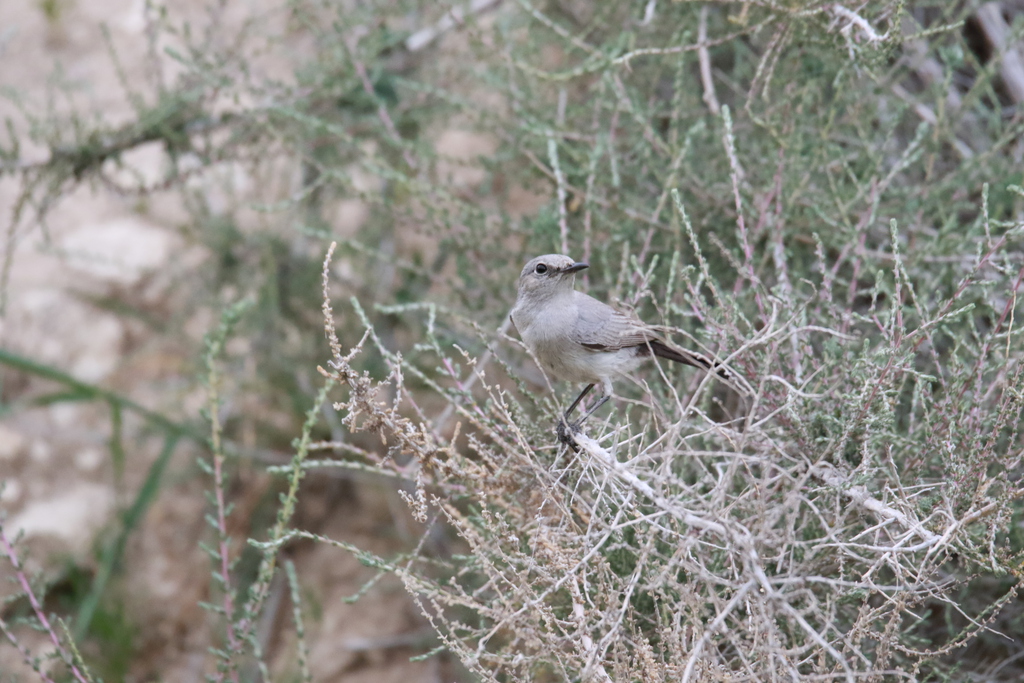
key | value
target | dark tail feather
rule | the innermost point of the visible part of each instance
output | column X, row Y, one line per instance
column 737, row 382
column 662, row 350
column 696, row 360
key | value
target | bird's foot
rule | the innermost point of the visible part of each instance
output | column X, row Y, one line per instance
column 567, row 432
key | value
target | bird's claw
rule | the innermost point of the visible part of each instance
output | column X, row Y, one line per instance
column 566, row 434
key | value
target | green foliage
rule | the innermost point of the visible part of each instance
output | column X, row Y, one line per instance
column 53, row 10
column 797, row 195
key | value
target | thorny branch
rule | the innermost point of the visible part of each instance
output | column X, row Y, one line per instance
column 756, row 549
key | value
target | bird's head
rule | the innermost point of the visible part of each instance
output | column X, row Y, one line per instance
column 548, row 275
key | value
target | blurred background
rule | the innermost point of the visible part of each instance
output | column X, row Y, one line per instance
column 163, row 164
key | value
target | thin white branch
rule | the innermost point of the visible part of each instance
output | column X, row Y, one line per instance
column 454, row 17
column 861, row 23
column 704, row 58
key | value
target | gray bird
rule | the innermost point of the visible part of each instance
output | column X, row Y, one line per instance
column 575, row 337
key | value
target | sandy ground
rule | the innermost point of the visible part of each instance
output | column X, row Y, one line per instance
column 61, row 488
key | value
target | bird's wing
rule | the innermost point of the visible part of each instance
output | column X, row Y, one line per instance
column 603, row 328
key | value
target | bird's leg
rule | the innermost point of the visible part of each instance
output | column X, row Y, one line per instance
column 566, row 429
column 572, row 407
column 600, row 402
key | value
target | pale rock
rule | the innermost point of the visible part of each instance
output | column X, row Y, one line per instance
column 40, row 452
column 40, row 302
column 223, row 186
column 73, row 515
column 11, row 443
column 65, row 415
column 141, row 166
column 89, row 459
column 10, row 491
column 134, row 20
column 100, row 350
column 50, row 329
column 350, row 216
column 119, row 251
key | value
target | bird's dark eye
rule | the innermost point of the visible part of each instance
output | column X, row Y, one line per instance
column 541, row 268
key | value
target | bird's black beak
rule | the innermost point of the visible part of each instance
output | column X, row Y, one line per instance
column 576, row 267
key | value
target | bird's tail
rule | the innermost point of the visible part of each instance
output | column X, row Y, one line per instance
column 663, row 350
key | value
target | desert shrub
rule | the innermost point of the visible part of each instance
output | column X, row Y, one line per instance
column 827, row 198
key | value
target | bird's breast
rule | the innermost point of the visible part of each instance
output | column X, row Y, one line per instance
column 551, row 338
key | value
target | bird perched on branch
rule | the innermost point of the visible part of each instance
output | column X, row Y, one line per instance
column 575, row 337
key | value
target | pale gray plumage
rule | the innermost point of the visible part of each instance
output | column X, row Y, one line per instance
column 577, row 338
